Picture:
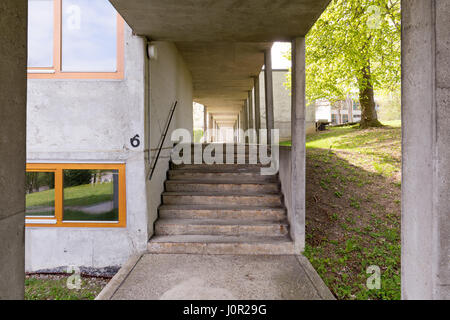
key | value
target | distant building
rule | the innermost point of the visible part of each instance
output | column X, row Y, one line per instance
column 341, row 112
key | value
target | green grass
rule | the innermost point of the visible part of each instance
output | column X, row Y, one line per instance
column 380, row 146
column 353, row 201
column 55, row 288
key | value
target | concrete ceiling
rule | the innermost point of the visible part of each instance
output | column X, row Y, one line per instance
column 222, row 71
column 221, row 20
column 222, row 41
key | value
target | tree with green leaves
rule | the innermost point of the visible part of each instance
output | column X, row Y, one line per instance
column 354, row 49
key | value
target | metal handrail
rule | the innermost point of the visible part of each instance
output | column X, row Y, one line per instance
column 163, row 138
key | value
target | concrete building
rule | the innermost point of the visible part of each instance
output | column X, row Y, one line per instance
column 343, row 112
column 87, row 120
column 214, row 57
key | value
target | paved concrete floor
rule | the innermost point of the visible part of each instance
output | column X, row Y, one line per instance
column 211, row 277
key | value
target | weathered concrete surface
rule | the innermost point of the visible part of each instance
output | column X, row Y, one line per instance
column 91, row 121
column 426, row 149
column 209, row 277
column 282, row 106
column 170, row 81
column 221, row 20
column 222, row 72
column 13, row 61
column 222, row 41
column 298, row 152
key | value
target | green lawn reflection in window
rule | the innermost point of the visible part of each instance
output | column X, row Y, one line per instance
column 91, row 195
column 40, row 194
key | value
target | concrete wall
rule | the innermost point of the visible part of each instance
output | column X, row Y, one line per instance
column 91, row 121
column 426, row 149
column 170, row 81
column 13, row 60
column 282, row 106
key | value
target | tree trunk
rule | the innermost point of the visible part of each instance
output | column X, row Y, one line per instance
column 366, row 99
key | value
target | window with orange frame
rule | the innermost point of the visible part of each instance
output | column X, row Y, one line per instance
column 75, row 195
column 75, row 39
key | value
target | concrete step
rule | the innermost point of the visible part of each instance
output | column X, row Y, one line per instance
column 222, row 212
column 219, row 167
column 220, row 227
column 199, row 198
column 236, row 147
column 220, row 175
column 196, row 244
column 227, row 186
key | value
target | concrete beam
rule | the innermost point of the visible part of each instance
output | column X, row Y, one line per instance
column 269, row 93
column 221, row 20
column 298, row 173
column 426, row 149
column 13, row 96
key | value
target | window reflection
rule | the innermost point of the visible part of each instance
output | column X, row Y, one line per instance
column 91, row 195
column 89, row 36
column 40, row 194
column 40, row 33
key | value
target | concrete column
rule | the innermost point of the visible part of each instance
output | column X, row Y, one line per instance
column 13, row 96
column 210, row 127
column 205, row 121
column 426, row 149
column 269, row 93
column 246, row 122
column 257, row 109
column 298, row 173
column 250, row 114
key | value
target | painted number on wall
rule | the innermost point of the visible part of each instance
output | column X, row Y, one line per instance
column 135, row 142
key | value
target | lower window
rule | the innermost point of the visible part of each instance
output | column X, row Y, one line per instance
column 75, row 195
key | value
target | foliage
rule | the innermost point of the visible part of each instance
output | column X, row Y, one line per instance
column 353, row 47
column 77, row 177
column 390, row 106
column 198, row 135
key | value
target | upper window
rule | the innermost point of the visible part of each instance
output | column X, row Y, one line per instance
column 74, row 39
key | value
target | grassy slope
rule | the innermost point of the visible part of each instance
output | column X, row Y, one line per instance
column 353, row 209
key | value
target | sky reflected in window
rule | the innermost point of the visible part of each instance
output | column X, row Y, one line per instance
column 40, row 33
column 89, row 36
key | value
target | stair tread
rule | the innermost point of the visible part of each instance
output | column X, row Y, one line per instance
column 217, row 170
column 234, row 181
column 224, row 194
column 217, row 207
column 221, row 222
column 218, row 239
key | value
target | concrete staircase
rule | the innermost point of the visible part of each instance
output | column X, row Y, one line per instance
column 221, row 209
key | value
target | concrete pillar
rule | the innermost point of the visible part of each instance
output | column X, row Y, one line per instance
column 298, row 154
column 257, row 108
column 269, row 93
column 210, row 127
column 246, row 122
column 205, row 121
column 250, row 114
column 426, row 149
column 13, row 95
